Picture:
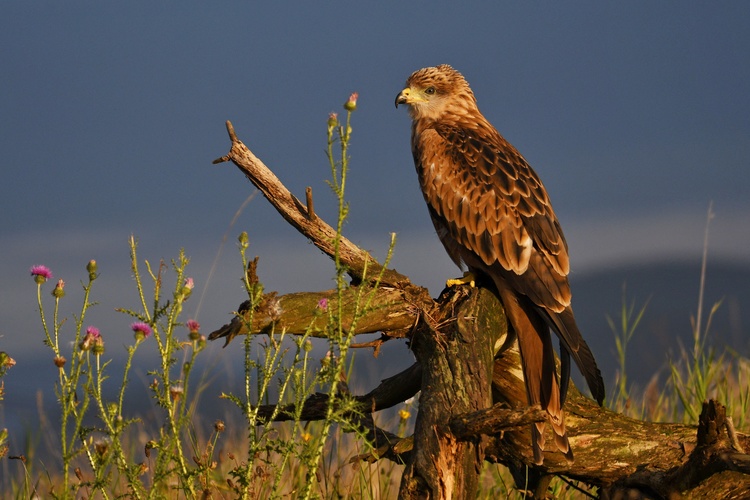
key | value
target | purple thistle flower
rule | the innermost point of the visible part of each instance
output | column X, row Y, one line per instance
column 92, row 340
column 40, row 273
column 323, row 304
column 141, row 330
column 194, row 328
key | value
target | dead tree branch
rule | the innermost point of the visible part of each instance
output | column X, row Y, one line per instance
column 359, row 262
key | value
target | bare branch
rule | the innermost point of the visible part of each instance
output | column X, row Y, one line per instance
column 295, row 213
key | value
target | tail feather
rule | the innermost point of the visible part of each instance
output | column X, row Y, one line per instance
column 540, row 375
column 571, row 342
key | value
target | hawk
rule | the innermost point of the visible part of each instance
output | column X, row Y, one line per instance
column 493, row 215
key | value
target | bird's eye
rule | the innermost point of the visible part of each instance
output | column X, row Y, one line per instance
column 429, row 90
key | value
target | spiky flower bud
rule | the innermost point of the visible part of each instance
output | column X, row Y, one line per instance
column 351, row 104
column 187, row 288
column 59, row 291
column 244, row 239
column 91, row 267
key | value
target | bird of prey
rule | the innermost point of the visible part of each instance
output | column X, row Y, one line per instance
column 493, row 215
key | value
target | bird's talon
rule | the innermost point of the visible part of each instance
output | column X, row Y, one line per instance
column 467, row 279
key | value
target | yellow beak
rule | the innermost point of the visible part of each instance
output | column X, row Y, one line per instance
column 403, row 97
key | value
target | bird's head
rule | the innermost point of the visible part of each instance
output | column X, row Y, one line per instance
column 434, row 92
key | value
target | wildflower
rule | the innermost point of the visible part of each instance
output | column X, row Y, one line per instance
column 141, row 330
column 307, row 346
column 219, row 426
column 92, row 338
column 40, row 274
column 244, row 239
column 6, row 362
column 333, row 120
column 91, row 268
column 98, row 347
column 404, row 414
column 306, row 437
column 187, row 287
column 274, row 308
column 59, row 361
column 351, row 104
column 325, row 362
column 59, row 291
column 176, row 391
column 323, row 304
column 194, row 328
column 101, row 446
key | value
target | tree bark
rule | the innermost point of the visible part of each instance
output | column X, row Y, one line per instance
column 456, row 379
column 472, row 403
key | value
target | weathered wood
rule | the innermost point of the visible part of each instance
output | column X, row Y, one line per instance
column 362, row 266
column 456, row 361
column 389, row 310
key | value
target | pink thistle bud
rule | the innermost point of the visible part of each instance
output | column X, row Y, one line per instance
column 187, row 288
column 333, row 120
column 40, row 274
column 98, row 346
column 323, row 304
column 92, row 340
column 59, row 291
column 6, row 361
column 351, row 104
column 194, row 328
column 141, row 330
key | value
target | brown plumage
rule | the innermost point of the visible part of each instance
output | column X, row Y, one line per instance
column 493, row 215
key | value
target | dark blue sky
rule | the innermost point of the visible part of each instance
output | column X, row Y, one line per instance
column 636, row 115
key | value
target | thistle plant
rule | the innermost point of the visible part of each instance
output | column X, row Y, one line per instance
column 81, row 375
column 283, row 371
column 171, row 388
column 6, row 363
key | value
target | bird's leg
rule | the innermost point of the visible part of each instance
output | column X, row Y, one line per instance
column 467, row 279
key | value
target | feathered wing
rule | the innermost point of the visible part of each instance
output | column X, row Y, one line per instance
column 493, row 214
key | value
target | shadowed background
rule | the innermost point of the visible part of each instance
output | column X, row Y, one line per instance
column 636, row 116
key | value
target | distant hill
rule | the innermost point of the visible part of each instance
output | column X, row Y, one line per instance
column 671, row 289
